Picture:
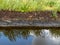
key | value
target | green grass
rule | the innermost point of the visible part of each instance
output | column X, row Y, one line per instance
column 30, row 5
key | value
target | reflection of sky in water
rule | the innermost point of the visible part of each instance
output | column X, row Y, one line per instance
column 46, row 38
column 20, row 41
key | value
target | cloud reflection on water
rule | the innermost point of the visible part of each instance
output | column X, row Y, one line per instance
column 46, row 38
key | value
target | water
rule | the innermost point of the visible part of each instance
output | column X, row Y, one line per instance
column 29, row 37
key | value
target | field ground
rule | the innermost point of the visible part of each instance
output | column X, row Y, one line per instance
column 36, row 15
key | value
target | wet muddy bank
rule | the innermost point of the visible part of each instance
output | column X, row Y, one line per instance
column 36, row 18
column 28, row 28
column 30, row 23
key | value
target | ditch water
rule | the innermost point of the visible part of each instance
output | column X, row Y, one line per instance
column 29, row 37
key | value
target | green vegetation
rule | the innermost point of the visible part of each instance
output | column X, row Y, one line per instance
column 54, row 14
column 30, row 5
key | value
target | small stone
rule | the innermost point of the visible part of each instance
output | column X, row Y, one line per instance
column 30, row 16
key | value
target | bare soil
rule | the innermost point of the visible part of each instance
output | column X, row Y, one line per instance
column 35, row 15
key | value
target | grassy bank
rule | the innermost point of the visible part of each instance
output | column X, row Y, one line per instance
column 30, row 5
